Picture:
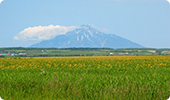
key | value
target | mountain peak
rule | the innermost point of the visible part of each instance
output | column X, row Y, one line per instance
column 87, row 36
column 87, row 27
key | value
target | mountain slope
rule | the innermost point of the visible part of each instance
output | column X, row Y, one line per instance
column 86, row 36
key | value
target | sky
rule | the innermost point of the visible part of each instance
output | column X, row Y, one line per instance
column 25, row 22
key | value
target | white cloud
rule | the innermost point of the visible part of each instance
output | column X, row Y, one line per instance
column 168, row 1
column 43, row 32
column 1, row 1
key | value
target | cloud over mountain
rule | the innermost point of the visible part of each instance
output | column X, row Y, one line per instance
column 42, row 32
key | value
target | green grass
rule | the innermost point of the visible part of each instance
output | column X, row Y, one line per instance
column 87, row 82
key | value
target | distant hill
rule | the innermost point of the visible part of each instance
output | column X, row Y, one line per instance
column 87, row 36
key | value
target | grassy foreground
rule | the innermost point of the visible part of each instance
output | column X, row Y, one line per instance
column 85, row 78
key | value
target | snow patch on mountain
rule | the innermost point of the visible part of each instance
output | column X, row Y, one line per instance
column 81, row 38
column 68, row 42
column 87, row 36
column 77, row 38
column 77, row 32
column 90, row 32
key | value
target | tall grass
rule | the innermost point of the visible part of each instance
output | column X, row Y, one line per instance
column 86, row 78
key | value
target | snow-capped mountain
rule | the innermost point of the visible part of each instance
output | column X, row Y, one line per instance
column 87, row 36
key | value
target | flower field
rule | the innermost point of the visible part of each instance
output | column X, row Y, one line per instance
column 94, row 78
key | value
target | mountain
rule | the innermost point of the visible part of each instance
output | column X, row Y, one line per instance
column 87, row 36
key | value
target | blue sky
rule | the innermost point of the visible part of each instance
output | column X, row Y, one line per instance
column 25, row 22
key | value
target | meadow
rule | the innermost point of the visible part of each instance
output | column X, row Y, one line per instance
column 85, row 78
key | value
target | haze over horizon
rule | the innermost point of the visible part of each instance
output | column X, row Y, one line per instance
column 146, row 22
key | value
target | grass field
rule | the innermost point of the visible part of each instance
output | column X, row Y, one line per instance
column 92, row 78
